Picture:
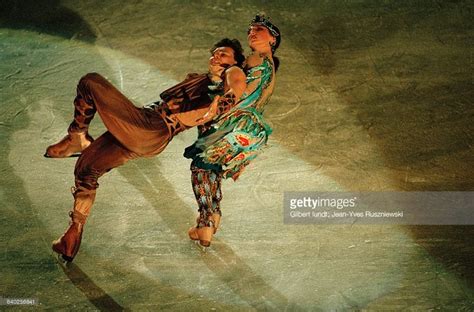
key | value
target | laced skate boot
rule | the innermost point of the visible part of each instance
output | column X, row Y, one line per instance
column 71, row 144
column 68, row 244
column 217, row 219
column 203, row 235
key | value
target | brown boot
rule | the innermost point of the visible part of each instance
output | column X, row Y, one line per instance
column 204, row 234
column 74, row 142
column 68, row 244
column 217, row 220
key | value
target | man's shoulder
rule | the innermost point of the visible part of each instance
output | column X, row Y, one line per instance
column 195, row 75
column 192, row 86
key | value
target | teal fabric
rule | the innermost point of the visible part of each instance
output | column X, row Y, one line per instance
column 236, row 137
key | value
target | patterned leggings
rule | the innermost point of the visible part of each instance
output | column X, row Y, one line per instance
column 207, row 189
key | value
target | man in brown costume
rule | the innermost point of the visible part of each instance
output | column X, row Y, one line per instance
column 138, row 132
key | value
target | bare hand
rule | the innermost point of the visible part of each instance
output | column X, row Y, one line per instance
column 172, row 105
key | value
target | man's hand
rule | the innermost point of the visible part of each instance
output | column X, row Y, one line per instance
column 172, row 105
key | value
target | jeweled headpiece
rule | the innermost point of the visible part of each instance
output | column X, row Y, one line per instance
column 261, row 19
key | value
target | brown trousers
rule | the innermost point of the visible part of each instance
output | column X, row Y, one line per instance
column 132, row 132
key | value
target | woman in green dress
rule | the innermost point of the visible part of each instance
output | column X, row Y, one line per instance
column 227, row 145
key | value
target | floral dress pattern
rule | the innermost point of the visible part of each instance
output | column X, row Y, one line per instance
column 236, row 137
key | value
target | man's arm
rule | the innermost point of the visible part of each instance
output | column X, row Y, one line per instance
column 188, row 94
column 234, row 87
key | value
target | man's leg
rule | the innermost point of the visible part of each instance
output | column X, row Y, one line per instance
column 77, row 138
column 101, row 156
column 207, row 190
column 134, row 128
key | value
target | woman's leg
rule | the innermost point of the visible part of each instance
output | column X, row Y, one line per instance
column 101, row 156
column 207, row 190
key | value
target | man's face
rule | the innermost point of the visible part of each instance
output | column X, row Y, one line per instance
column 220, row 59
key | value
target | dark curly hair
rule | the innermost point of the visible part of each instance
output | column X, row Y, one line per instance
column 235, row 45
column 261, row 19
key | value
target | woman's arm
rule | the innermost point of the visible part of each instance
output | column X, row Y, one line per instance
column 234, row 86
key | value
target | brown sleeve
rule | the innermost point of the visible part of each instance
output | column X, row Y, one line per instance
column 191, row 93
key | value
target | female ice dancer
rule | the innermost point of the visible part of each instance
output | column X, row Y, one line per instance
column 226, row 145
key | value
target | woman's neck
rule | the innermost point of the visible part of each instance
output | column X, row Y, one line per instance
column 262, row 53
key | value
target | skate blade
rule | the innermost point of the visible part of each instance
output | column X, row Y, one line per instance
column 64, row 263
column 201, row 247
column 71, row 156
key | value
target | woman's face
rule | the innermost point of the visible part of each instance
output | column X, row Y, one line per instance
column 259, row 37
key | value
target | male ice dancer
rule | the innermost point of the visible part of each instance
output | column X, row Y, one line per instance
column 226, row 146
column 138, row 132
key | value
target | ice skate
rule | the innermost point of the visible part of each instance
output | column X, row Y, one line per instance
column 68, row 244
column 69, row 146
column 217, row 219
column 203, row 235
